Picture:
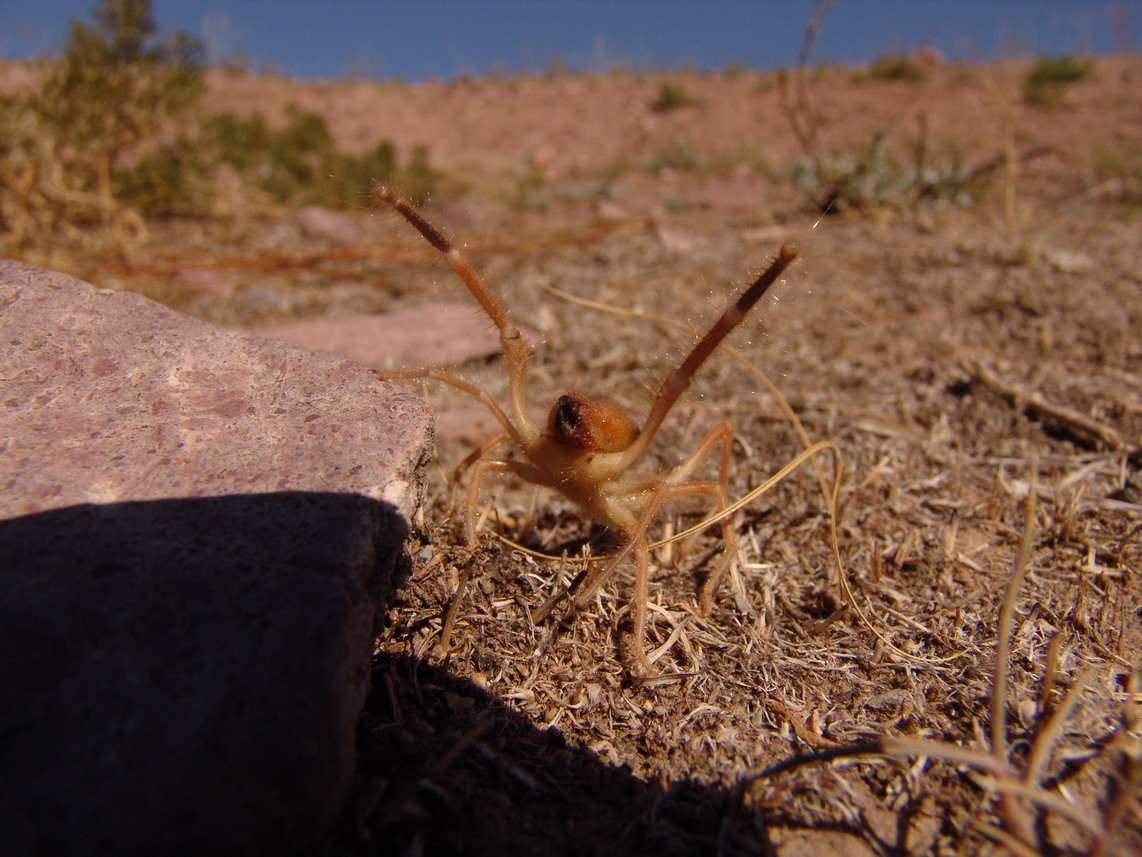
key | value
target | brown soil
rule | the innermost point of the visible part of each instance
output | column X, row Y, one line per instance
column 954, row 354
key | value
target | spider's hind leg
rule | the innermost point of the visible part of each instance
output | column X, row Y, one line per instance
column 720, row 437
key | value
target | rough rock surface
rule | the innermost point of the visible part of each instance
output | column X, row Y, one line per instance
column 195, row 529
column 432, row 334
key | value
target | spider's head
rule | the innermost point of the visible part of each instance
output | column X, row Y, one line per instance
column 581, row 424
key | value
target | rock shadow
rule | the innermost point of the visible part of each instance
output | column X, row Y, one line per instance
column 183, row 676
column 446, row 768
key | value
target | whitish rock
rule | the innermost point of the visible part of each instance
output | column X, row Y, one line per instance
column 195, row 529
column 1068, row 261
column 678, row 240
column 432, row 334
column 327, row 225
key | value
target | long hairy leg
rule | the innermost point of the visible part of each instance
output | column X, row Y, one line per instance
column 514, row 348
column 636, row 543
column 460, row 384
column 661, row 492
column 638, row 604
column 525, row 471
column 461, row 469
column 680, row 378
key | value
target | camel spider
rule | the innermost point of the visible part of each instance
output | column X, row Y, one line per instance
column 585, row 446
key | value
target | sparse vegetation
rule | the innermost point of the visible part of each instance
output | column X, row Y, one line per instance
column 113, row 133
column 1049, row 77
column 672, row 96
column 895, row 67
column 91, row 145
column 678, row 156
column 172, row 180
column 299, row 164
column 859, row 179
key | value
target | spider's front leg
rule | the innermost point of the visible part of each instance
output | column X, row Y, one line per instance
column 524, row 470
column 460, row 471
column 636, row 505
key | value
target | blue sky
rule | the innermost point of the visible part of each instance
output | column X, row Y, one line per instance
column 422, row 39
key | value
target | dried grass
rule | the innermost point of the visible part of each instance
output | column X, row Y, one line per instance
column 922, row 526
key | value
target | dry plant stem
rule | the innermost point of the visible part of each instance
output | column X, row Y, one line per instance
column 1125, row 802
column 445, row 642
column 1011, row 843
column 799, row 112
column 1079, row 423
column 1015, row 818
column 1050, row 731
column 1052, row 666
column 917, row 748
column 997, row 776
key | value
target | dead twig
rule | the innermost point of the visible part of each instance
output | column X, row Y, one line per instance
column 1072, row 419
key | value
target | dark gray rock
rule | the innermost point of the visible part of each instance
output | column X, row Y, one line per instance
column 196, row 528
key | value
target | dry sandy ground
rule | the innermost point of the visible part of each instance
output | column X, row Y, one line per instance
column 957, row 357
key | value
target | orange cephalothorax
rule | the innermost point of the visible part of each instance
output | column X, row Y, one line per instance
column 577, row 422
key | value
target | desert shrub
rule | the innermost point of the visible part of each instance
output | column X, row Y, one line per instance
column 93, row 144
column 299, row 164
column 1046, row 80
column 116, row 89
column 895, row 67
column 418, row 180
column 174, row 179
column 237, row 140
column 860, row 178
column 677, row 156
column 671, row 96
column 869, row 177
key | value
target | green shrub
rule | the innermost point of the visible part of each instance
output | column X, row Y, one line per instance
column 419, row 179
column 672, row 96
column 895, row 67
column 1045, row 82
column 171, row 180
column 300, row 164
column 116, row 89
column 237, row 140
column 99, row 140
